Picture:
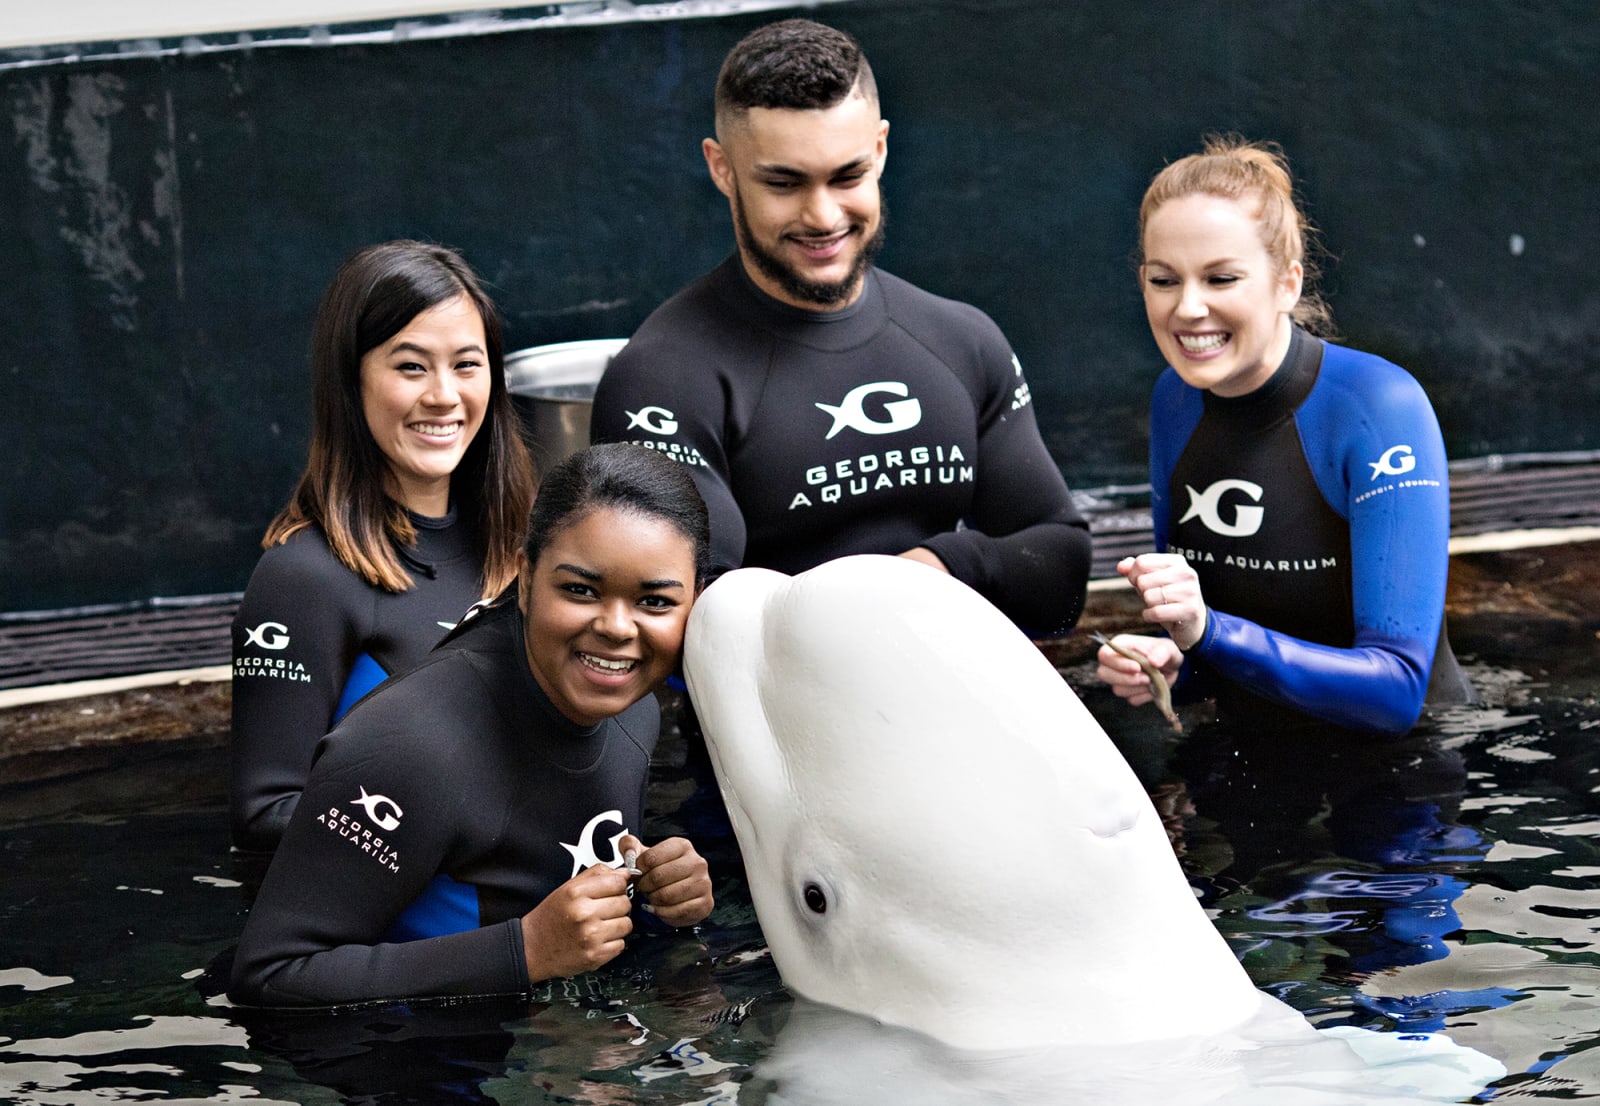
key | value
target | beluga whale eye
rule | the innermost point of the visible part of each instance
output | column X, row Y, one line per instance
column 816, row 899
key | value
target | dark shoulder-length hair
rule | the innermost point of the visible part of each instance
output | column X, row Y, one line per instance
column 344, row 489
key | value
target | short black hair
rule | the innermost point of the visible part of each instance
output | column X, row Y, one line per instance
column 796, row 64
column 624, row 477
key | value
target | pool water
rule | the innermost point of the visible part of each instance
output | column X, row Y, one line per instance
column 1444, row 882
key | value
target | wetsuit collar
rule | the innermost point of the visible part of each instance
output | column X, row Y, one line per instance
column 439, row 542
column 497, row 626
column 830, row 331
column 428, row 522
column 1278, row 398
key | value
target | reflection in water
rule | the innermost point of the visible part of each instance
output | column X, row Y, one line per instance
column 395, row 1054
column 1347, row 843
column 828, row 1057
column 1444, row 882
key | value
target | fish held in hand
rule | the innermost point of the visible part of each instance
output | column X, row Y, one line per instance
column 1159, row 688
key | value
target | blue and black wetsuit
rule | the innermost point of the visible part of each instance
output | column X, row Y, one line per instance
column 310, row 638
column 902, row 420
column 1316, row 511
column 449, row 803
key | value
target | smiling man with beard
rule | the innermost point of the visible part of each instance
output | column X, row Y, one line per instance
column 825, row 407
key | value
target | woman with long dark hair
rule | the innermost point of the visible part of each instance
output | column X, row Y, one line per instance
column 412, row 507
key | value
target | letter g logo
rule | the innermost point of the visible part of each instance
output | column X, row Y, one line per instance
column 584, row 853
column 1207, row 504
column 903, row 414
column 657, row 420
column 268, row 635
column 378, row 808
column 1397, row 460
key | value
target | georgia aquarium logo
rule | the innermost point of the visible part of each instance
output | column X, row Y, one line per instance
column 268, row 635
column 1396, row 461
column 378, row 808
column 1207, row 506
column 657, row 420
column 851, row 411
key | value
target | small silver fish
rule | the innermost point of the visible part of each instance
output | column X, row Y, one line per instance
column 1158, row 683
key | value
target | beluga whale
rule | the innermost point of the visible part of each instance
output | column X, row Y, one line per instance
column 938, row 837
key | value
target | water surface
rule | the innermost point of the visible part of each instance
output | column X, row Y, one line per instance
column 1441, row 883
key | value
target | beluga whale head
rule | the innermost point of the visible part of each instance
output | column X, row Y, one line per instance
column 940, row 839
column 936, row 832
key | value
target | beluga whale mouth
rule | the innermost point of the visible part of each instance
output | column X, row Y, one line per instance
column 938, row 835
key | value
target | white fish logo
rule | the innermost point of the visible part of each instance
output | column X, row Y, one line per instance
column 1387, row 465
column 657, row 420
column 268, row 635
column 373, row 805
column 903, row 413
column 584, row 854
column 1207, row 504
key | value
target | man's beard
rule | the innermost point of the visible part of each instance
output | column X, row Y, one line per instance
column 823, row 293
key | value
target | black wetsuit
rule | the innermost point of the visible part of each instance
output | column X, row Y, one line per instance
column 449, row 803
column 1316, row 511
column 310, row 638
column 900, row 421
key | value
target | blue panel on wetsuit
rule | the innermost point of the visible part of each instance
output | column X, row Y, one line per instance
column 445, row 906
column 365, row 675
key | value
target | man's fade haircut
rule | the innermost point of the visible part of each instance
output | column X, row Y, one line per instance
column 796, row 64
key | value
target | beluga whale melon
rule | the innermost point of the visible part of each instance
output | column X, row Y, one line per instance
column 938, row 835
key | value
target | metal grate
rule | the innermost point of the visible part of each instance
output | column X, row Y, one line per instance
column 1504, row 498
column 51, row 647
column 47, row 647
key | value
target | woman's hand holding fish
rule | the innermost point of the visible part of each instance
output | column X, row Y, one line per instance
column 1127, row 677
column 673, row 878
column 1171, row 593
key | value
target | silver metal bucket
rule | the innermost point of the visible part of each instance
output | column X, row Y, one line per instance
column 552, row 388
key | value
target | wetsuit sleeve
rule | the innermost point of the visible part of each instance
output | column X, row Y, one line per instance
column 1378, row 456
column 1026, row 547
column 647, row 395
column 372, row 830
column 295, row 638
column 1174, row 412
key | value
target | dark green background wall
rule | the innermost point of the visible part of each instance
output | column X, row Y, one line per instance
column 167, row 223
